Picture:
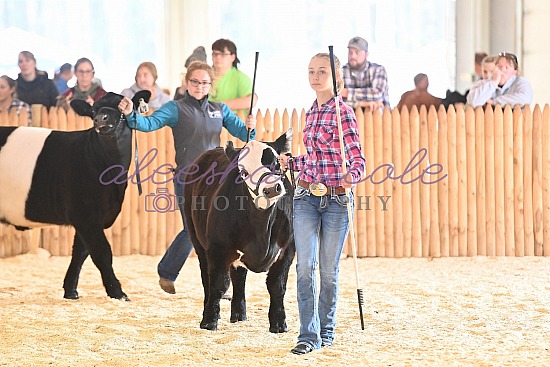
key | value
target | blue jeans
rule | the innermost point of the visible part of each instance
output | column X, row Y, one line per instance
column 320, row 228
column 171, row 263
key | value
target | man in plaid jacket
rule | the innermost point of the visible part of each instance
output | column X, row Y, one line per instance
column 366, row 83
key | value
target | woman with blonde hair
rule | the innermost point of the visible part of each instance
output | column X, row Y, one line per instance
column 146, row 79
column 320, row 204
column 33, row 85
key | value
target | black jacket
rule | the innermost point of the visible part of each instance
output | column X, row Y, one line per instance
column 39, row 91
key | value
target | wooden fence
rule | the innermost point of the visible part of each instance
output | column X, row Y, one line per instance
column 460, row 182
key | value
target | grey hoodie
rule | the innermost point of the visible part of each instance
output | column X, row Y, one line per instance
column 155, row 103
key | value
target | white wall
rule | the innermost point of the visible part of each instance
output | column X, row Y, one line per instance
column 187, row 26
column 536, row 48
column 472, row 35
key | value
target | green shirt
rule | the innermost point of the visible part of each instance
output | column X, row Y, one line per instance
column 234, row 84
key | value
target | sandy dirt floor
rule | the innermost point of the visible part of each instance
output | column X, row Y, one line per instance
column 418, row 312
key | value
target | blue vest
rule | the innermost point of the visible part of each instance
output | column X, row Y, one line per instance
column 198, row 130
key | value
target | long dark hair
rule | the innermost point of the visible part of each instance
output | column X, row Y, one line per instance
column 222, row 44
column 81, row 61
column 11, row 83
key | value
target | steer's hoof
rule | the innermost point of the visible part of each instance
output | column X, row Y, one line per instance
column 122, row 296
column 278, row 328
column 125, row 298
column 212, row 326
column 237, row 317
column 71, row 295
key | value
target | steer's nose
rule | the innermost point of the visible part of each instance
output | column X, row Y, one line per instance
column 101, row 119
column 272, row 191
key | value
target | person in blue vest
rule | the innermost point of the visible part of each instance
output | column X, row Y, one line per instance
column 196, row 125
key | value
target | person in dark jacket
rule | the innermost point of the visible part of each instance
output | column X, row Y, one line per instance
column 33, row 85
column 196, row 125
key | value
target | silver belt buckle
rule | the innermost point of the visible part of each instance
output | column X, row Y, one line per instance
column 318, row 189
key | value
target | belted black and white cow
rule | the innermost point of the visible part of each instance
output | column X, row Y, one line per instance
column 238, row 208
column 55, row 177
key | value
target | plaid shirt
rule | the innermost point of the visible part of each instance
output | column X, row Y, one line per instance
column 322, row 161
column 369, row 84
column 19, row 106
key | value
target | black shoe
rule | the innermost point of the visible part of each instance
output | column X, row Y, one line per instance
column 326, row 343
column 302, row 348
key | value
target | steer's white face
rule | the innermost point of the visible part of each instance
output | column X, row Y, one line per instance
column 257, row 162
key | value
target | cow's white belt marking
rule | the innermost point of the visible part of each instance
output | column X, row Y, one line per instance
column 17, row 162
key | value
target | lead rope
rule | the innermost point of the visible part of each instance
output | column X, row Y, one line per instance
column 142, row 109
column 136, row 160
column 289, row 164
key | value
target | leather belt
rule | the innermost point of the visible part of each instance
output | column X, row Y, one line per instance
column 331, row 190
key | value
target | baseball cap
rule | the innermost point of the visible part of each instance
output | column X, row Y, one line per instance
column 359, row 43
column 199, row 54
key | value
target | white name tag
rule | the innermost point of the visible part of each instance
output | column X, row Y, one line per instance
column 215, row 114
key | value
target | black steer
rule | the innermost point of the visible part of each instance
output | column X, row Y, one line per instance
column 53, row 177
column 238, row 209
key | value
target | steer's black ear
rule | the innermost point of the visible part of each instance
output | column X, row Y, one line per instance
column 230, row 150
column 283, row 142
column 109, row 100
column 82, row 108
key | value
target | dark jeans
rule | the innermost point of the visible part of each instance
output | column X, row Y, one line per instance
column 171, row 263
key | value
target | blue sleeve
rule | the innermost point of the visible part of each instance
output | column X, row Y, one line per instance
column 166, row 115
column 235, row 125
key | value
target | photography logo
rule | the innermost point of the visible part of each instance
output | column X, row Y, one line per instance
column 162, row 201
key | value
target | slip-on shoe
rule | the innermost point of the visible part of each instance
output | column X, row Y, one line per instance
column 302, row 348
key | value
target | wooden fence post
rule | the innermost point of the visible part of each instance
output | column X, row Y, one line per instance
column 443, row 152
column 480, row 182
column 488, row 123
column 462, row 167
column 425, row 211
column 509, row 211
column 518, row 183
column 453, row 176
column 397, row 208
column 387, row 184
column 378, row 135
column 417, row 213
column 407, row 203
column 500, row 222
column 537, row 182
column 435, row 245
column 368, row 151
column 546, row 180
column 360, row 190
column 528, row 180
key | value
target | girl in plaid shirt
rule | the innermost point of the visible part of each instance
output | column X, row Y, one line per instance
column 322, row 213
